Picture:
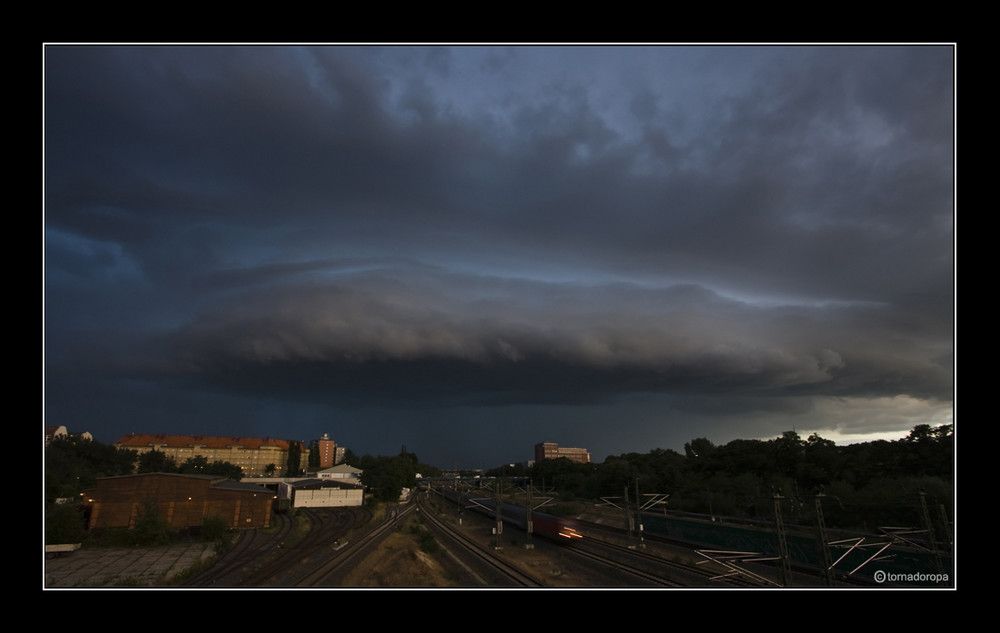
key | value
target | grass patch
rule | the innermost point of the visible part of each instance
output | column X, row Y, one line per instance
column 428, row 544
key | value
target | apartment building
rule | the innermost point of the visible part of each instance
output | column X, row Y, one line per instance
column 256, row 457
column 551, row 450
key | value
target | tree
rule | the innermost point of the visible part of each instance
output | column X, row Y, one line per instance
column 225, row 469
column 294, row 465
column 928, row 451
column 387, row 476
column 787, row 452
column 151, row 528
column 73, row 465
column 569, row 477
column 741, row 456
column 214, row 528
column 156, row 461
column 820, row 463
column 197, row 465
column 698, row 447
column 614, row 475
column 351, row 459
column 64, row 523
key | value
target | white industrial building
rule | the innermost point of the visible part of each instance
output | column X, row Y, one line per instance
column 322, row 493
column 341, row 472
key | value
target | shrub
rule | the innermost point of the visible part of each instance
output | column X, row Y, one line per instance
column 151, row 528
column 63, row 523
column 214, row 528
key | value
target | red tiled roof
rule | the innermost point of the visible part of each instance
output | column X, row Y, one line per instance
column 180, row 441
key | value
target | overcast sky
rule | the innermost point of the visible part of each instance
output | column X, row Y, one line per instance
column 469, row 250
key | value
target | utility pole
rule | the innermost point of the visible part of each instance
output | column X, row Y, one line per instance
column 931, row 538
column 638, row 514
column 499, row 527
column 949, row 538
column 824, row 551
column 527, row 517
column 786, row 571
column 628, row 518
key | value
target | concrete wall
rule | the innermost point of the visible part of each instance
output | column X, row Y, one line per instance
column 327, row 497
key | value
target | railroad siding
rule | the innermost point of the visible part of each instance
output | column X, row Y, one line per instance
column 802, row 550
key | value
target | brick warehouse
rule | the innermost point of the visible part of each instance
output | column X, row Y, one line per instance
column 183, row 500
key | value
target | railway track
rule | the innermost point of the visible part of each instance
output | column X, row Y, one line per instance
column 297, row 545
column 609, row 562
column 655, row 568
column 311, row 550
column 645, row 577
column 614, row 563
column 701, row 567
column 498, row 571
column 328, row 572
column 327, row 529
column 250, row 545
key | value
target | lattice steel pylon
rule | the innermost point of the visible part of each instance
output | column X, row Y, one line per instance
column 931, row 538
column 497, row 506
column 785, row 566
column 824, row 550
column 528, row 523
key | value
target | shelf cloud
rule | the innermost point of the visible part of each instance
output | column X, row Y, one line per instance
column 472, row 249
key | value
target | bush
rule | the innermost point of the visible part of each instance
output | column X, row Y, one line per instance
column 64, row 523
column 151, row 528
column 214, row 528
column 428, row 544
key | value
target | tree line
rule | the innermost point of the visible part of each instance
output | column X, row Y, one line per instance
column 859, row 485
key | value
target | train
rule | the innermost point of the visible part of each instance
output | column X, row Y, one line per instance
column 550, row 527
column 559, row 529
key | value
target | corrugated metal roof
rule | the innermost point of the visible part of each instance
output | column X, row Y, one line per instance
column 188, row 475
column 216, row 481
column 230, row 484
column 324, row 483
column 342, row 468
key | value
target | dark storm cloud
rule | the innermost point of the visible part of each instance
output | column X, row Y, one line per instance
column 500, row 225
column 440, row 338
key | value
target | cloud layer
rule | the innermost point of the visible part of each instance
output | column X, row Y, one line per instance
column 452, row 229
